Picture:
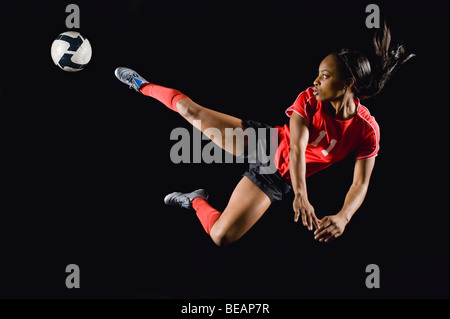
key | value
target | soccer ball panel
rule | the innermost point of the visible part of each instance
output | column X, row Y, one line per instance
column 83, row 54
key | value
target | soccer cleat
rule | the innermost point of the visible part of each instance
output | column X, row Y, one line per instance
column 130, row 78
column 184, row 199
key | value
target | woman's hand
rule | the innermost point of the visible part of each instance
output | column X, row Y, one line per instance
column 302, row 207
column 331, row 227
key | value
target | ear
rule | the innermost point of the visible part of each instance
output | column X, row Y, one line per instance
column 350, row 83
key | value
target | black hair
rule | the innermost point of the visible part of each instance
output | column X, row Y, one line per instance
column 370, row 78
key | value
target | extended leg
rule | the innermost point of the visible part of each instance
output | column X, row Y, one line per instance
column 230, row 127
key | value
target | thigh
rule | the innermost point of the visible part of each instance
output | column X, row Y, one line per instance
column 204, row 118
column 246, row 206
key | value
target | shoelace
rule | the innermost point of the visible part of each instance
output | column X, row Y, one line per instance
column 130, row 80
column 185, row 200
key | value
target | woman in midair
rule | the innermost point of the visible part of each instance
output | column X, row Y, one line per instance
column 327, row 123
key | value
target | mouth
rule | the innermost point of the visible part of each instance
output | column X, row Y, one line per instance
column 315, row 91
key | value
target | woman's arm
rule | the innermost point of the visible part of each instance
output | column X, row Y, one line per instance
column 299, row 132
column 333, row 226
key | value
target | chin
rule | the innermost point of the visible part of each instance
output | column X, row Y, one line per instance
column 320, row 99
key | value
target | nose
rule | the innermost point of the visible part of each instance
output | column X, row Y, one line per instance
column 317, row 81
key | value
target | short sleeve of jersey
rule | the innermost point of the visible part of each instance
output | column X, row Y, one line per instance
column 371, row 144
column 304, row 105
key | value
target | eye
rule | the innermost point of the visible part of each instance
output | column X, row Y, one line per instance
column 325, row 76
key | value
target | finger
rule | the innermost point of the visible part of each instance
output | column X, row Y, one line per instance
column 324, row 219
column 296, row 215
column 324, row 223
column 333, row 235
column 311, row 216
column 316, row 222
column 319, row 222
column 326, row 236
column 304, row 219
column 309, row 221
column 322, row 234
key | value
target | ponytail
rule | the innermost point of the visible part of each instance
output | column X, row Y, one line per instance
column 371, row 77
column 389, row 58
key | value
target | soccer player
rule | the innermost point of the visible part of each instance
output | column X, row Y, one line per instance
column 327, row 123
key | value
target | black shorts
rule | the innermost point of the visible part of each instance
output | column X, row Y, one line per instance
column 273, row 185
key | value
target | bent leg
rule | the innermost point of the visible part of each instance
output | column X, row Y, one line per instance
column 246, row 206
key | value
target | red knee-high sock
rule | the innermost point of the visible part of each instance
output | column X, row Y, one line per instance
column 169, row 97
column 205, row 213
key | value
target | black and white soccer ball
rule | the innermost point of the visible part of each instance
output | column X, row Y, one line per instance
column 71, row 51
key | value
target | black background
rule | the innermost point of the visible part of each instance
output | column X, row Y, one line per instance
column 86, row 161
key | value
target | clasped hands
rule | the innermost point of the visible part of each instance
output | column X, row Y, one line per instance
column 328, row 228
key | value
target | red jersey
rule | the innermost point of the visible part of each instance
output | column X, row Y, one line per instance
column 330, row 140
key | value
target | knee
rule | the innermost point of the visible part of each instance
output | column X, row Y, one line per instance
column 221, row 237
column 187, row 108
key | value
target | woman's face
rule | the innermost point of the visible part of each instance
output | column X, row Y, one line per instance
column 329, row 86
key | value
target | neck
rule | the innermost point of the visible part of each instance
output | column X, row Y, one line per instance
column 345, row 108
